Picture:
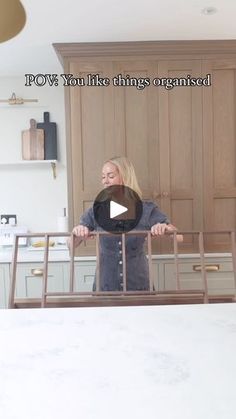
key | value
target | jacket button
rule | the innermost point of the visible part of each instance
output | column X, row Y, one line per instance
column 120, row 262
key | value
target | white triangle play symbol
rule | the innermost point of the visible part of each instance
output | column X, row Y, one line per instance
column 116, row 209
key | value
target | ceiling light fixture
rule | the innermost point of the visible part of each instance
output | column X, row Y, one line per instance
column 209, row 11
column 12, row 19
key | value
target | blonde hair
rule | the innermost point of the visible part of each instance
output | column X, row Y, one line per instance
column 127, row 172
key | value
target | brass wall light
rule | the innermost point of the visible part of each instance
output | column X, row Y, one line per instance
column 12, row 19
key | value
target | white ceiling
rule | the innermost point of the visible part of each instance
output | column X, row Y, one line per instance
column 50, row 21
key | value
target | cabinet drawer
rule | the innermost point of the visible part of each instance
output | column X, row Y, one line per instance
column 220, row 277
column 29, row 278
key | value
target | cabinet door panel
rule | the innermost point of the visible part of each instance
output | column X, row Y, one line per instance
column 219, row 135
column 91, row 138
column 180, row 139
column 84, row 276
column 136, row 122
column 136, row 125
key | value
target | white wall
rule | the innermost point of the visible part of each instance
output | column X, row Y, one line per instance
column 30, row 191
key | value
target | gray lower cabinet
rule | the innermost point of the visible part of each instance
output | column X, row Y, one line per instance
column 29, row 278
column 220, row 277
column 84, row 275
column 219, row 274
column 4, row 284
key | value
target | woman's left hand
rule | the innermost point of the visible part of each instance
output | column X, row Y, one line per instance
column 161, row 228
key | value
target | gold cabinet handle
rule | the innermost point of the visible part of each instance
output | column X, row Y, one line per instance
column 37, row 272
column 208, row 268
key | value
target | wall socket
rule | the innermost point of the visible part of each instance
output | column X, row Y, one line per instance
column 7, row 216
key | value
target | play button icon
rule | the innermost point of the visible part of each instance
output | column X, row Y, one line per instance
column 117, row 209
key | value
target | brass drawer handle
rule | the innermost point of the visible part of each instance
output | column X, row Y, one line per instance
column 37, row 272
column 208, row 268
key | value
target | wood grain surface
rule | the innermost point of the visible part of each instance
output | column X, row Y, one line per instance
column 33, row 142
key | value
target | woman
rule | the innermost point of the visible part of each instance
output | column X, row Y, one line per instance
column 120, row 171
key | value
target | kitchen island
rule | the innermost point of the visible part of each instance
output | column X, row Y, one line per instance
column 170, row 362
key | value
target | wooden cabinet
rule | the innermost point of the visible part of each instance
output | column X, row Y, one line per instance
column 219, row 149
column 180, row 142
column 136, row 123
column 181, row 139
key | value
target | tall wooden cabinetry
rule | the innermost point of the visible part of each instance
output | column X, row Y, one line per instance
column 219, row 148
column 181, row 140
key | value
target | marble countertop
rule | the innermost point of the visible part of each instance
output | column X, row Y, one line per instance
column 61, row 254
column 168, row 362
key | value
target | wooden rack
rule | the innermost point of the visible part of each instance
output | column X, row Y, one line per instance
column 125, row 297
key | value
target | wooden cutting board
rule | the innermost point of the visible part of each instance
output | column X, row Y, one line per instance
column 33, row 142
column 50, row 139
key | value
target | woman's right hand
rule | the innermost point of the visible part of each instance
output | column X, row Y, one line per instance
column 81, row 232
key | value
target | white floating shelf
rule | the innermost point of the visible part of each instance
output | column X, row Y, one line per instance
column 34, row 162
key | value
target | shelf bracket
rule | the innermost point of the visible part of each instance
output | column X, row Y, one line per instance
column 54, row 169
